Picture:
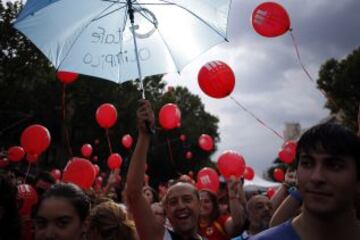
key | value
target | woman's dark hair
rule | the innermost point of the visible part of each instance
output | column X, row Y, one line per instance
column 10, row 222
column 214, row 200
column 154, row 193
column 331, row 138
column 77, row 198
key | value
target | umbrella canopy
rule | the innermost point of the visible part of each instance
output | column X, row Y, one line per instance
column 95, row 37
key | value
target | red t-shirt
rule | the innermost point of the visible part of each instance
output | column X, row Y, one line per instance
column 216, row 231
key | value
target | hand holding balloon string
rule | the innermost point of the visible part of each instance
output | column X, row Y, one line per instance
column 235, row 189
column 145, row 117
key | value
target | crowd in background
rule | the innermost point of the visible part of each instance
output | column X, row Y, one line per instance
column 318, row 200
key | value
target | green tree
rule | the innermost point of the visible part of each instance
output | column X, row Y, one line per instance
column 340, row 81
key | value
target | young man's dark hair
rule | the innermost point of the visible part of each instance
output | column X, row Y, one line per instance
column 331, row 138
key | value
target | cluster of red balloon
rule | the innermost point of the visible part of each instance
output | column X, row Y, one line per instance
column 207, row 178
column 188, row 155
column 270, row 192
column 114, row 161
column 170, row 116
column 106, row 115
column 127, row 141
column 28, row 198
column 216, row 79
column 206, row 142
column 86, row 150
column 231, row 163
column 279, row 174
column 249, row 173
column 182, row 137
column 56, row 174
column 270, row 19
column 66, row 77
column 15, row 153
column 35, row 139
column 288, row 152
column 79, row 171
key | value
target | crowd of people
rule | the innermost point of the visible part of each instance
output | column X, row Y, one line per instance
column 319, row 200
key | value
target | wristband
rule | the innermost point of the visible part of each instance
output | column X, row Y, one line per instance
column 294, row 193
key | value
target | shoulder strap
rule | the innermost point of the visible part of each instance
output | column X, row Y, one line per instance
column 220, row 228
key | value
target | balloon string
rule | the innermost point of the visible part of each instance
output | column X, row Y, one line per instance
column 303, row 66
column 15, row 124
column 298, row 56
column 27, row 173
column 256, row 118
column 108, row 139
column 170, row 151
column 66, row 132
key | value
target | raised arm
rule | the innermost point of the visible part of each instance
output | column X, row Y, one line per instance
column 235, row 224
column 147, row 226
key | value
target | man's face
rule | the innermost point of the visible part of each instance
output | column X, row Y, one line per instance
column 327, row 183
column 260, row 211
column 182, row 208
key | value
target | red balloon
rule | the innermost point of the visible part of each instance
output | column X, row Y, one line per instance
column 270, row 19
column 106, row 115
column 32, row 158
column 35, row 139
column 86, row 150
column 206, row 142
column 56, row 174
column 114, row 161
column 279, row 174
column 216, row 79
column 231, row 163
column 270, row 192
column 97, row 169
column 67, row 77
column 169, row 116
column 80, row 172
column 4, row 162
column 15, row 153
column 286, row 156
column 188, row 155
column 182, row 137
column 207, row 178
column 127, row 141
column 28, row 197
column 290, row 145
column 249, row 173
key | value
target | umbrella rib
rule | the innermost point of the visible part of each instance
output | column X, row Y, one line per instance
column 107, row 13
column 153, row 23
column 198, row 17
column 77, row 37
column 177, row 68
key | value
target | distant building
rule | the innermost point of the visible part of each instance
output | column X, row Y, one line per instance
column 292, row 131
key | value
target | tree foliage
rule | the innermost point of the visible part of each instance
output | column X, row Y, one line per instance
column 340, row 80
column 30, row 93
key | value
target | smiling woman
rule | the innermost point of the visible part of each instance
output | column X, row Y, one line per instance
column 61, row 213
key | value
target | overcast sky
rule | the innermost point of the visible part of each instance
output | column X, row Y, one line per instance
column 269, row 79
